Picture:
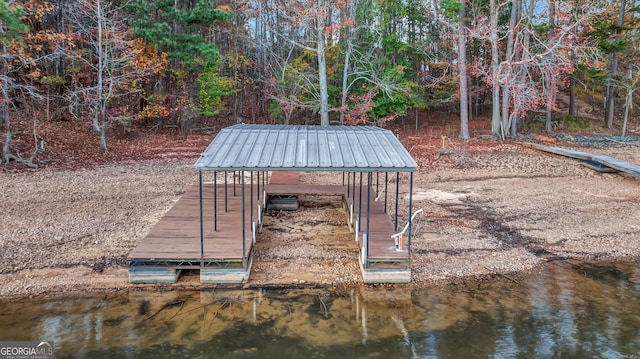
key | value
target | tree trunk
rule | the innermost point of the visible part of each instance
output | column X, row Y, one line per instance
column 477, row 103
column 506, row 94
column 103, row 139
column 322, row 72
column 470, row 101
column 572, row 96
column 610, row 93
column 550, row 79
column 6, row 149
column 254, row 103
column 101, row 105
column 523, row 53
column 5, row 120
column 288, row 112
column 627, row 106
column 347, row 64
column 495, row 93
column 628, row 103
column 549, row 97
column 462, row 70
column 5, row 125
column 345, row 82
column 60, row 65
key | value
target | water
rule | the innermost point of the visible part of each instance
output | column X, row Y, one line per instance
column 567, row 310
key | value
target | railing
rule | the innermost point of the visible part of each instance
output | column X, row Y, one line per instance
column 398, row 236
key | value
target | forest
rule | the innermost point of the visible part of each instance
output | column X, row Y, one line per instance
column 127, row 65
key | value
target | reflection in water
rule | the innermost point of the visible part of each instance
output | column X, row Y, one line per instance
column 566, row 310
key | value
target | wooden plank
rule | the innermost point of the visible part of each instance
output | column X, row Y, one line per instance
column 285, row 177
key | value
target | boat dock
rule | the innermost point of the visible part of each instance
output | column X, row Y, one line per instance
column 174, row 242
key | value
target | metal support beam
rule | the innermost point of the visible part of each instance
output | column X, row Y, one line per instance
column 386, row 186
column 369, row 175
column 234, row 183
column 251, row 199
column 243, row 219
column 397, row 196
column 360, row 205
column 215, row 201
column 226, row 197
column 410, row 212
column 201, row 216
column 353, row 192
column 348, row 184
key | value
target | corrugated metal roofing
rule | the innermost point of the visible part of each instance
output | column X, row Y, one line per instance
column 306, row 148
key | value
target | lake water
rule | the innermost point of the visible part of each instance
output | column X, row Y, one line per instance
column 565, row 310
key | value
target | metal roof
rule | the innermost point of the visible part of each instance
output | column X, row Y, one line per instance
column 307, row 148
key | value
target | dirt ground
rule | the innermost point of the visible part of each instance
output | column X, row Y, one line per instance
column 490, row 209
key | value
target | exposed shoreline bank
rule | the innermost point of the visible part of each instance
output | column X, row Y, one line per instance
column 490, row 211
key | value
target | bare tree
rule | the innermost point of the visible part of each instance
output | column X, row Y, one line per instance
column 308, row 25
column 363, row 63
column 536, row 58
column 462, row 69
column 610, row 91
column 287, row 84
column 506, row 87
column 630, row 85
column 102, row 29
column 495, row 70
column 348, row 52
column 14, row 60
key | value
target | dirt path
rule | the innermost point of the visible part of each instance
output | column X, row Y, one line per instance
column 497, row 208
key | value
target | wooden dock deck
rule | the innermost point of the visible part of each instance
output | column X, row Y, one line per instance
column 174, row 242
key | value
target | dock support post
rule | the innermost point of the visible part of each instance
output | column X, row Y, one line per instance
column 410, row 212
column 360, row 204
column 397, row 196
column 348, row 183
column 353, row 192
column 251, row 198
column 215, row 201
column 243, row 220
column 369, row 178
column 201, row 216
column 226, row 198
column 386, row 185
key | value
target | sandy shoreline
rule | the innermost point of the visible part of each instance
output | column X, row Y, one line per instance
column 504, row 209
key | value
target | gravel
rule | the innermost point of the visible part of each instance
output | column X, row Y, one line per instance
column 488, row 211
